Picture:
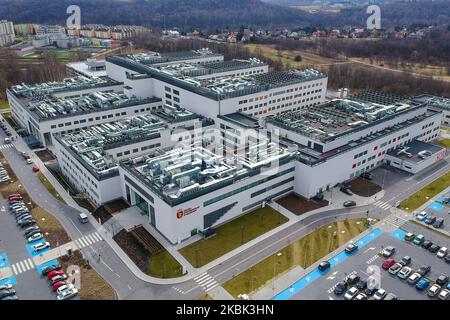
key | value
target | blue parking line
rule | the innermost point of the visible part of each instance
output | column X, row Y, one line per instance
column 441, row 198
column 398, row 234
column 436, row 206
column 31, row 250
column 4, row 263
column 316, row 273
column 41, row 267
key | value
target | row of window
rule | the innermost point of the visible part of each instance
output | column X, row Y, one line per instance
column 136, row 150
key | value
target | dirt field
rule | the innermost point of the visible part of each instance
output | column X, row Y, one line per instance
column 300, row 205
column 363, row 187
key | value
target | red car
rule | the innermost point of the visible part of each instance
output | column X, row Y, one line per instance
column 10, row 200
column 14, row 195
column 388, row 263
column 55, row 273
column 59, row 284
column 35, row 168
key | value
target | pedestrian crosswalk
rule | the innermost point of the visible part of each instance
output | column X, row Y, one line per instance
column 88, row 240
column 6, row 146
column 22, row 266
column 395, row 220
column 372, row 260
column 206, row 281
column 382, row 205
column 178, row 290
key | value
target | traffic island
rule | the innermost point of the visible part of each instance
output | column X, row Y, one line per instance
column 232, row 235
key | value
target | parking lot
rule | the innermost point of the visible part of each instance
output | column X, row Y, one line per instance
column 439, row 208
column 366, row 262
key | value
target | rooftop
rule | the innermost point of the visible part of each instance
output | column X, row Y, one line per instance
column 241, row 119
column 372, row 96
column 415, row 151
column 179, row 175
column 198, row 70
column 41, row 90
column 432, row 101
column 220, row 88
column 150, row 58
column 53, row 107
column 338, row 117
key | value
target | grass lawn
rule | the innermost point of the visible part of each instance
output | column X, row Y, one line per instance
column 205, row 297
column 304, row 252
column 232, row 235
column 164, row 265
column 444, row 143
column 4, row 105
column 425, row 194
column 50, row 187
column 93, row 286
column 52, row 229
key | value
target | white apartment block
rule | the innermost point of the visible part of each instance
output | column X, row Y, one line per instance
column 7, row 35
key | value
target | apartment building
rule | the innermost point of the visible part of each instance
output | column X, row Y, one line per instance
column 7, row 35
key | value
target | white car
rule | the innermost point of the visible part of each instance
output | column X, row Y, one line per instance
column 421, row 216
column 35, row 237
column 64, row 288
column 41, row 246
column 6, row 286
column 380, row 294
column 351, row 293
column 404, row 273
column 29, row 161
column 414, row 278
column 444, row 294
column 388, row 251
column 67, row 294
column 442, row 252
column 361, row 296
column 434, row 290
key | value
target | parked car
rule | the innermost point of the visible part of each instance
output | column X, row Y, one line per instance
column 391, row 296
column 388, row 263
column 50, row 268
column 41, row 246
column 404, row 272
column 352, row 279
column 380, row 294
column 28, row 223
column 406, row 261
column 419, row 239
column 360, row 296
column 324, row 265
column 409, row 236
column 29, row 161
column 434, row 290
column 67, row 286
column 6, row 286
column 395, row 268
column 14, row 195
column 414, row 278
column 426, row 244
column 57, row 278
column 442, row 252
column 361, row 284
column 444, row 294
column 367, row 175
column 369, row 290
column 434, row 248
column 6, row 292
column 447, row 258
column 421, row 216
column 60, row 284
column 424, row 270
column 351, row 247
column 438, row 223
column 35, row 168
column 430, row 219
column 55, row 273
column 351, row 293
column 31, row 232
column 349, row 203
column 340, row 288
column 10, row 297
column 67, row 294
column 35, row 237
column 388, row 251
column 422, row 284
column 442, row 280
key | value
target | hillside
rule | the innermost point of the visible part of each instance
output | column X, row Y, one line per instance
column 181, row 13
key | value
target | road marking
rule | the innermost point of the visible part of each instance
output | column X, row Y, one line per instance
column 371, row 260
column 206, row 281
column 81, row 242
column 6, row 146
column 27, row 267
column 14, row 269
column 85, row 239
column 31, row 263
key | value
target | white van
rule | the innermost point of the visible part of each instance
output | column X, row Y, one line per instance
column 83, row 218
